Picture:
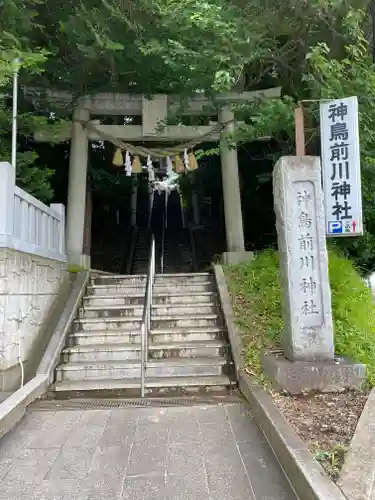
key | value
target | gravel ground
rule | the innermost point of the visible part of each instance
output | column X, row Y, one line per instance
column 326, row 422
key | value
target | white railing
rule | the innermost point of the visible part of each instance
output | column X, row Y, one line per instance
column 26, row 224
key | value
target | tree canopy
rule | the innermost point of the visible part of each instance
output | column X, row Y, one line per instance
column 311, row 48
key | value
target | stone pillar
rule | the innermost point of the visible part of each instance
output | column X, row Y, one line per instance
column 77, row 189
column 86, row 249
column 231, row 192
column 309, row 362
column 298, row 200
column 195, row 206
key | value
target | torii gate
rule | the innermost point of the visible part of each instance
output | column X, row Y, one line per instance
column 154, row 111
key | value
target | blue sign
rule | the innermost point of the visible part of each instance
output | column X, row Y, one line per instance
column 335, row 227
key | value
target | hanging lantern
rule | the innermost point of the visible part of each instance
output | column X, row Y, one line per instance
column 179, row 165
column 136, row 165
column 193, row 164
column 128, row 164
column 118, row 159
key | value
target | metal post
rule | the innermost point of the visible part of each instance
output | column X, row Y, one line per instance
column 15, row 111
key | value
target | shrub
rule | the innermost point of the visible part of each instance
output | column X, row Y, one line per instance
column 255, row 290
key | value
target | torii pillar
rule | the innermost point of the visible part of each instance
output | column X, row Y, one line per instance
column 77, row 190
column 231, row 192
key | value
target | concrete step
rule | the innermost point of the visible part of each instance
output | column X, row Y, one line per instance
column 140, row 279
column 135, row 311
column 100, row 337
column 163, row 288
column 119, row 279
column 183, row 298
column 132, row 351
column 120, row 323
column 110, row 311
column 150, row 383
column 113, row 300
column 167, row 367
column 102, row 352
column 203, row 334
column 175, row 321
column 189, row 349
column 182, row 278
column 123, row 291
column 138, row 299
column 160, row 336
column 184, row 309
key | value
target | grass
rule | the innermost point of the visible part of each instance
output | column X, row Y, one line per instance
column 256, row 297
column 332, row 460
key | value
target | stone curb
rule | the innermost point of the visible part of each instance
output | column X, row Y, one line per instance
column 358, row 473
column 14, row 407
column 234, row 333
column 304, row 473
column 52, row 354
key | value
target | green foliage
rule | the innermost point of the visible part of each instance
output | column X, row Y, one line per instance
column 17, row 21
column 312, row 49
column 256, row 296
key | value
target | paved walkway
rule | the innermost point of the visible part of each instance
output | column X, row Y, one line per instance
column 194, row 453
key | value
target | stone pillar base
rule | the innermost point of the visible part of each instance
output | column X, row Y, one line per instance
column 298, row 377
column 234, row 258
column 81, row 260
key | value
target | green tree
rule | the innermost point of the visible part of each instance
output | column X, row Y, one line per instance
column 313, row 49
column 17, row 22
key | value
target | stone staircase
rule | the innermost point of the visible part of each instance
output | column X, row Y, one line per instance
column 141, row 251
column 177, row 252
column 188, row 347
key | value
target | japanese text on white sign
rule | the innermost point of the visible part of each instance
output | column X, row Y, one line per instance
column 341, row 167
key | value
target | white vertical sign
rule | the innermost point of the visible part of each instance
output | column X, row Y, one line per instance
column 341, row 167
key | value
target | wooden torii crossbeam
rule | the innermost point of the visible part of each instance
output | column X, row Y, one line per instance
column 154, row 111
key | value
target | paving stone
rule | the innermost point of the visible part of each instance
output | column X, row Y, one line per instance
column 153, row 434
column 56, row 432
column 25, row 431
column 110, row 463
column 104, row 488
column 208, row 453
column 212, row 415
column 189, row 486
column 71, row 463
column 266, row 477
column 5, row 465
column 144, row 488
column 88, row 431
column 70, row 489
column 147, row 460
column 185, row 457
column 185, row 431
column 126, row 417
column 156, row 415
column 31, row 467
column 118, row 433
column 243, row 425
column 226, row 462
column 216, row 433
